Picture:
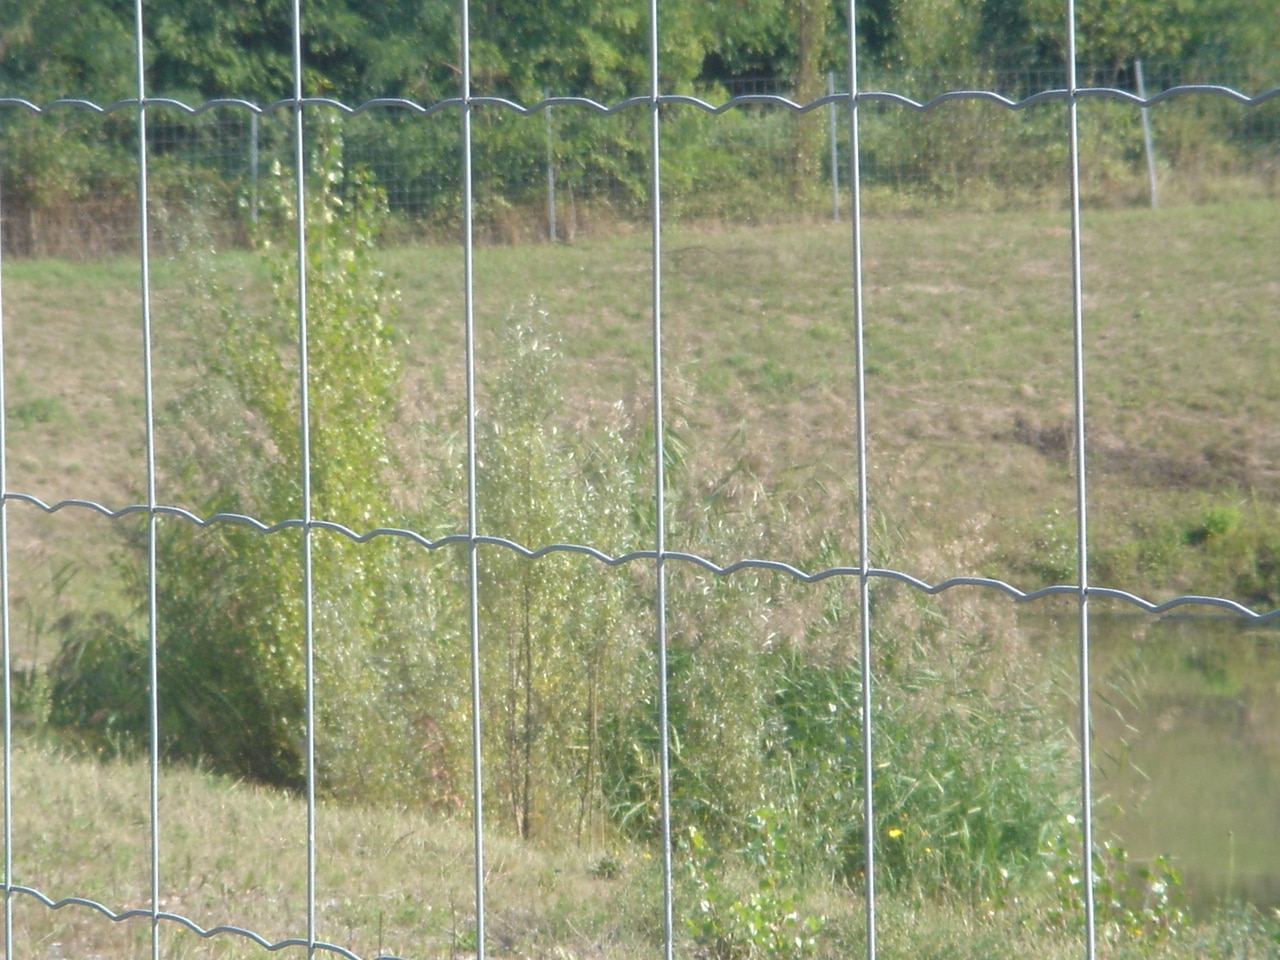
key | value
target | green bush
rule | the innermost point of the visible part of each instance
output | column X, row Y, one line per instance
column 730, row 923
column 230, row 597
column 561, row 646
column 1133, row 903
column 966, row 784
column 98, row 684
column 230, row 610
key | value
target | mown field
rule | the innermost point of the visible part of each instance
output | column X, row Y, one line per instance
column 969, row 411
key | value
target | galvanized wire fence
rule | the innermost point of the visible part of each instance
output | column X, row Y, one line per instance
column 943, row 145
column 572, row 171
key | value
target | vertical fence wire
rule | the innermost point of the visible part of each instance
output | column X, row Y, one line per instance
column 304, row 429
column 473, row 536
column 6, row 651
column 473, row 532
column 659, row 488
column 864, row 514
column 1082, row 519
column 153, row 679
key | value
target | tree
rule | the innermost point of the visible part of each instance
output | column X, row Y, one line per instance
column 1114, row 32
column 810, row 20
column 561, row 645
column 51, row 49
column 230, row 607
column 352, row 49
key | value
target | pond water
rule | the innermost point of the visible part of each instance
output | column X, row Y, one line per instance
column 1186, row 744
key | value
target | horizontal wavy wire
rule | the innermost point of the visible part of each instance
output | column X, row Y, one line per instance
column 179, row 920
column 426, row 109
column 1234, row 607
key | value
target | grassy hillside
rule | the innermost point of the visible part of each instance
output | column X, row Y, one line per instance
column 969, row 386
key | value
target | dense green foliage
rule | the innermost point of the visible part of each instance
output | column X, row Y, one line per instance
column 354, row 49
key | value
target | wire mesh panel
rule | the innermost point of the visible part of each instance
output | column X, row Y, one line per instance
column 70, row 191
column 597, row 564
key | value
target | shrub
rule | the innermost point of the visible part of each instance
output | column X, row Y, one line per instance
column 1136, row 903
column 727, row 923
column 561, row 645
column 98, row 685
column 230, row 611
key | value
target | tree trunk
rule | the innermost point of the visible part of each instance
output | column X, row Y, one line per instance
column 809, row 20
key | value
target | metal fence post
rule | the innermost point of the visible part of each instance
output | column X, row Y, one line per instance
column 1146, row 131
column 551, row 177
column 832, row 115
column 253, row 168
